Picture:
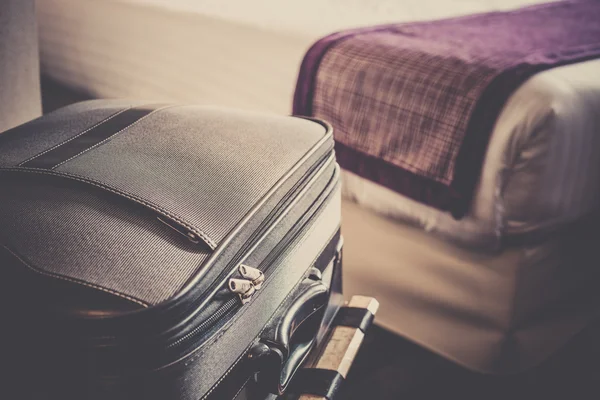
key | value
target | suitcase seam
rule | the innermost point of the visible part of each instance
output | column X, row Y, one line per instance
column 111, row 136
column 74, row 280
column 74, row 137
column 104, row 186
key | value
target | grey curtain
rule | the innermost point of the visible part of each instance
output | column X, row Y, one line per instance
column 20, row 98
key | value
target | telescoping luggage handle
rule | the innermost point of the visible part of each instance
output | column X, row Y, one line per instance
column 289, row 338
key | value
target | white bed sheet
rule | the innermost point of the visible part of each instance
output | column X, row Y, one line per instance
column 541, row 168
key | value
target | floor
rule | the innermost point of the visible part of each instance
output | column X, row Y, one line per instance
column 389, row 367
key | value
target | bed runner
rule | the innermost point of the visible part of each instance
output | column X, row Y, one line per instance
column 413, row 105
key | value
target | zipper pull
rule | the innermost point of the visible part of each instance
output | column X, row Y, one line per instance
column 243, row 288
column 255, row 275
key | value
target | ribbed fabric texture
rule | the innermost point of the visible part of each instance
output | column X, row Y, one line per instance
column 207, row 166
column 96, row 238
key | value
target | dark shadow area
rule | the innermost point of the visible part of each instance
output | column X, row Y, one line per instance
column 55, row 95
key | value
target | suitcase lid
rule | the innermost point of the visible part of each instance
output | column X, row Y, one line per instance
column 92, row 189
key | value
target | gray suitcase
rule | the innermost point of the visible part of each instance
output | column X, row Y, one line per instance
column 164, row 252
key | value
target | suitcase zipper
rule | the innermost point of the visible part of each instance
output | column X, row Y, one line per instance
column 230, row 307
column 256, row 276
column 273, row 215
column 245, row 288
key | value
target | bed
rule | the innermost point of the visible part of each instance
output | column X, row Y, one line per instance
column 431, row 272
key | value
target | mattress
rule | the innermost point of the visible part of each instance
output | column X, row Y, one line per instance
column 247, row 55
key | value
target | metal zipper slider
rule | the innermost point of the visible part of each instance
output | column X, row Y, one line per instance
column 255, row 275
column 243, row 288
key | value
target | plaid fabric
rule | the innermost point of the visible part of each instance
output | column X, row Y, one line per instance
column 413, row 105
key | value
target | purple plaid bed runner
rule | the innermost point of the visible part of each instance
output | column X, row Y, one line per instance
column 413, row 105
